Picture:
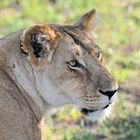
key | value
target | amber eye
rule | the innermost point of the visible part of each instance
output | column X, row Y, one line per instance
column 72, row 63
column 75, row 64
column 99, row 56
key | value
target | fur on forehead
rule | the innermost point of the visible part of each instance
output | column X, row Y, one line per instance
column 77, row 50
column 81, row 38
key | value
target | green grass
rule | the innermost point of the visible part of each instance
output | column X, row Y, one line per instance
column 118, row 32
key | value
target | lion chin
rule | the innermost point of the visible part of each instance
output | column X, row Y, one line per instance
column 95, row 115
column 99, row 114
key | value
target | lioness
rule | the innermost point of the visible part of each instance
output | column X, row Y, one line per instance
column 47, row 66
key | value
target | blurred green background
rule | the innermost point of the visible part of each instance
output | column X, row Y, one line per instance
column 118, row 35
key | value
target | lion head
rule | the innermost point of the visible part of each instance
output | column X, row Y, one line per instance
column 68, row 67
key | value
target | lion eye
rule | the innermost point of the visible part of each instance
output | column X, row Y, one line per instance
column 72, row 63
column 99, row 55
column 75, row 64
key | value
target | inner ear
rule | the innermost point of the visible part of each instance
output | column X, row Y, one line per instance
column 39, row 42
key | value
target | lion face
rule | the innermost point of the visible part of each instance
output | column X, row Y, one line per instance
column 68, row 66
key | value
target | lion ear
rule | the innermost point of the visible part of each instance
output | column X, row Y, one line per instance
column 39, row 42
column 87, row 21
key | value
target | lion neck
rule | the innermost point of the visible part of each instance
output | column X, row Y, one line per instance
column 35, row 84
column 22, row 73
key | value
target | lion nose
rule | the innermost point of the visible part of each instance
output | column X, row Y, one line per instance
column 109, row 93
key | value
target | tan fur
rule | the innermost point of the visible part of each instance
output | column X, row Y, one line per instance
column 34, row 80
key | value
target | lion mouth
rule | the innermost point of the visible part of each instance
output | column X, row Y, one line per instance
column 87, row 111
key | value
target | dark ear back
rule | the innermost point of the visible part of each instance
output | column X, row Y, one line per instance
column 87, row 21
column 39, row 42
